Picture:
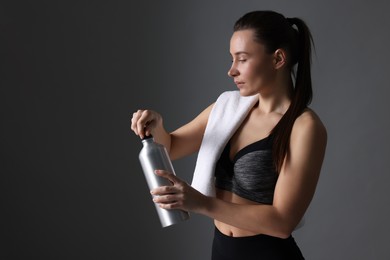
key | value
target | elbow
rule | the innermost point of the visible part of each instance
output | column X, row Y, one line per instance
column 283, row 234
column 284, row 225
column 283, row 230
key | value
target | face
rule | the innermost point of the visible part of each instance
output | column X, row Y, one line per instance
column 252, row 68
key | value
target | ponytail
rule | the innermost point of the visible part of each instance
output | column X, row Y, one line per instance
column 302, row 94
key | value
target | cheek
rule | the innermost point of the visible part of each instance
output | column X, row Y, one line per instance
column 264, row 70
column 261, row 75
column 257, row 72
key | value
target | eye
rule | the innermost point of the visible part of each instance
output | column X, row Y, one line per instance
column 242, row 58
column 238, row 60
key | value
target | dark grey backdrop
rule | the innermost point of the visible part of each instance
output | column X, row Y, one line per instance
column 72, row 73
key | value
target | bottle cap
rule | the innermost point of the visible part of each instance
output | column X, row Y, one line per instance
column 147, row 137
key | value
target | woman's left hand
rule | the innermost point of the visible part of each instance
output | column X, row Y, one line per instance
column 179, row 195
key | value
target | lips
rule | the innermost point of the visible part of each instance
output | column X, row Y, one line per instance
column 238, row 82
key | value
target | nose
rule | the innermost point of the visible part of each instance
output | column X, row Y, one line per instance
column 232, row 72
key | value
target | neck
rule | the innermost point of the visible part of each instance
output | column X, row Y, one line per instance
column 278, row 97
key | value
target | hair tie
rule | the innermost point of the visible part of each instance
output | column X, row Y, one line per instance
column 291, row 21
column 293, row 24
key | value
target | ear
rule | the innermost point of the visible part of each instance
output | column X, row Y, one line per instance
column 279, row 58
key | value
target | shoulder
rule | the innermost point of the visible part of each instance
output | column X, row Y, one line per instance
column 309, row 126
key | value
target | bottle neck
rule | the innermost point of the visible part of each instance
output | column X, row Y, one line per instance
column 147, row 140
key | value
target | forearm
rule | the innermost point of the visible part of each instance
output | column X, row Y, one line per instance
column 262, row 219
column 177, row 147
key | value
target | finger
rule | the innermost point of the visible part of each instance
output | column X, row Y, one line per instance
column 163, row 190
column 173, row 205
column 168, row 175
column 132, row 124
column 143, row 122
column 147, row 131
column 165, row 199
column 134, row 120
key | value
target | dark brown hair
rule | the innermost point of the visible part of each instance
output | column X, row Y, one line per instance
column 275, row 31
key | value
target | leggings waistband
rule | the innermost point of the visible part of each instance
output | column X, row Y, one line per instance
column 254, row 247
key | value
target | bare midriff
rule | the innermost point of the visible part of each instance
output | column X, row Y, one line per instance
column 227, row 229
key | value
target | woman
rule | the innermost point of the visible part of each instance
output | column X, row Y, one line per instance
column 262, row 145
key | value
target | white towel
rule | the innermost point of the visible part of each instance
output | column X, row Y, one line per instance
column 227, row 114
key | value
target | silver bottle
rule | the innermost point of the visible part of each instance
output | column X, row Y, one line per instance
column 154, row 156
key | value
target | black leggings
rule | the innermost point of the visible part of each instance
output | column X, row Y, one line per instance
column 258, row 247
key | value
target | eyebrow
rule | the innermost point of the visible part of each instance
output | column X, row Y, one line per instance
column 239, row 53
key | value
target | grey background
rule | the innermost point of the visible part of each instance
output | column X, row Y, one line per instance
column 72, row 73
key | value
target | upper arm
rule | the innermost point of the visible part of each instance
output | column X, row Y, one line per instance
column 187, row 139
column 301, row 169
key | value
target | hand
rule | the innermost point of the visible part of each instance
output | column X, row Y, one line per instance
column 178, row 196
column 144, row 121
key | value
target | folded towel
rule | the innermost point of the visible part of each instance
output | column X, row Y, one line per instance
column 227, row 114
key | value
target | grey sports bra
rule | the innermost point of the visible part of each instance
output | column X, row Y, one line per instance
column 251, row 174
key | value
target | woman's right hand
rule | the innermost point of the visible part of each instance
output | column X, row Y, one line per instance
column 144, row 122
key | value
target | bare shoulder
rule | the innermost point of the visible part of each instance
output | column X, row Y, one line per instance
column 309, row 125
column 309, row 121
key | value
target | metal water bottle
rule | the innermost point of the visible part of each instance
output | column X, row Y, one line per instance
column 154, row 156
